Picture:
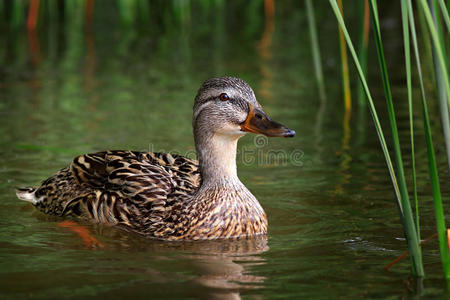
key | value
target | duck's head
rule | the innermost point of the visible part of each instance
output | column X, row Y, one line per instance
column 228, row 106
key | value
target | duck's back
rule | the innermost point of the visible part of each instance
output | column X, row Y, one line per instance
column 140, row 191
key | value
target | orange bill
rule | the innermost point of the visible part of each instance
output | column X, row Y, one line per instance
column 258, row 122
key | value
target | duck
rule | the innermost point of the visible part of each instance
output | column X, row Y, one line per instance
column 167, row 196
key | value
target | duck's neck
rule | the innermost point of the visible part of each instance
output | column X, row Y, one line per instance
column 217, row 159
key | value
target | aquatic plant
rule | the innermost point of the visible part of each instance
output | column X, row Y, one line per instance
column 397, row 173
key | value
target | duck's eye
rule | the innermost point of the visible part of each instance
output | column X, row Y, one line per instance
column 224, row 97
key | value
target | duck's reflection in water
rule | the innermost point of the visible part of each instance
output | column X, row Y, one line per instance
column 222, row 267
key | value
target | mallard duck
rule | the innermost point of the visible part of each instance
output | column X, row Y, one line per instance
column 167, row 196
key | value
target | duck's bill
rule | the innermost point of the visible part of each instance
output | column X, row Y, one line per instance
column 258, row 122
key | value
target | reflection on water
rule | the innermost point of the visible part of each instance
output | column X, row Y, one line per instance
column 91, row 83
column 223, row 266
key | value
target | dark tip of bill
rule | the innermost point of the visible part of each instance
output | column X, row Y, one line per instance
column 289, row 133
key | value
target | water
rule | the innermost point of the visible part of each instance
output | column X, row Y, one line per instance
column 333, row 223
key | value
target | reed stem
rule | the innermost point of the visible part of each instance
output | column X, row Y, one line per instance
column 344, row 63
column 439, row 213
column 437, row 198
column 409, row 226
column 442, row 96
column 445, row 14
column 406, row 44
column 437, row 45
column 363, row 46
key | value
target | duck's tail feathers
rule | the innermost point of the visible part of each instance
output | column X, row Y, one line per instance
column 27, row 194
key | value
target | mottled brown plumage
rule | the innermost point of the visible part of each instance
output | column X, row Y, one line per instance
column 167, row 196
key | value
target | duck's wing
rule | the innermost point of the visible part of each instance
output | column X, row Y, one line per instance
column 124, row 171
column 137, row 173
column 136, row 189
column 90, row 169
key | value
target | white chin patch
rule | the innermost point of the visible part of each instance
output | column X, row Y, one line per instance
column 231, row 130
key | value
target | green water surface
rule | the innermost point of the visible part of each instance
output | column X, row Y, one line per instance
column 333, row 222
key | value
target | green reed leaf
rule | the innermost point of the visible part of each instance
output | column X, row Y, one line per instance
column 437, row 198
column 409, row 225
